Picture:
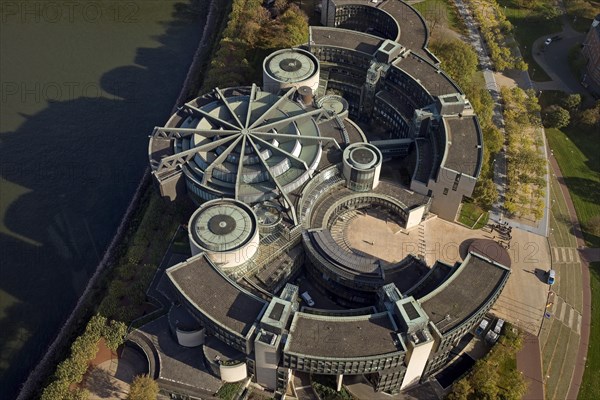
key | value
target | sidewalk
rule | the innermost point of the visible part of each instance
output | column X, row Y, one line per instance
column 529, row 362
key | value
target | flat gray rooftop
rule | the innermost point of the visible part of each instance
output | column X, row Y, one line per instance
column 349, row 39
column 429, row 76
column 215, row 296
column 401, row 193
column 464, row 293
column 342, row 337
column 413, row 31
column 463, row 155
column 180, row 368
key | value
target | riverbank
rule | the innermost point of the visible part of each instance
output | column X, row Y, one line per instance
column 95, row 288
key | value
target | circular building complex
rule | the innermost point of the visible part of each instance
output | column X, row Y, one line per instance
column 307, row 251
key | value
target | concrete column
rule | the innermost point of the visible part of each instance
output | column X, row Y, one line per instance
column 339, row 380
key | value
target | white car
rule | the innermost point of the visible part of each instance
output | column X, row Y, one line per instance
column 482, row 326
column 548, row 41
column 499, row 326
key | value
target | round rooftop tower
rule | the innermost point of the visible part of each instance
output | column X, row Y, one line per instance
column 362, row 166
column 290, row 68
column 226, row 230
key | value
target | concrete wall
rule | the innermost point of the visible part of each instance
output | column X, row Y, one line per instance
column 414, row 217
column 233, row 373
column 267, row 359
column 190, row 338
column 416, row 359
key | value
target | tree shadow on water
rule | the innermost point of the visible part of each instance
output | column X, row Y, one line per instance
column 78, row 163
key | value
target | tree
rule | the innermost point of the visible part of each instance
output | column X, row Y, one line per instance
column 143, row 388
column 485, row 193
column 56, row 390
column 458, row 58
column 590, row 116
column 556, row 117
column 572, row 101
column 484, row 380
column 461, row 390
column 114, row 334
column 296, row 26
column 493, row 139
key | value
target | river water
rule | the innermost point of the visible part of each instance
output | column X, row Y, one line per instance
column 83, row 82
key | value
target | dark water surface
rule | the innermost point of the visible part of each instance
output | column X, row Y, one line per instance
column 82, row 85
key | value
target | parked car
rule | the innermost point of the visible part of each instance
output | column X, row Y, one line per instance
column 499, row 325
column 491, row 337
column 548, row 41
column 482, row 327
column 306, row 297
column 551, row 277
column 556, row 38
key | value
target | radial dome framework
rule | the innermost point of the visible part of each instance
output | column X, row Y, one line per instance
column 251, row 147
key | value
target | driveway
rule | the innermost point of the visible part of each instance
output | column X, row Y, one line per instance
column 553, row 58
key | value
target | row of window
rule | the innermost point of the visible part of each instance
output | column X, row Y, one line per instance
column 342, row 367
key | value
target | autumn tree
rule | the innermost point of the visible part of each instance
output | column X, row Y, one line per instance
column 143, row 388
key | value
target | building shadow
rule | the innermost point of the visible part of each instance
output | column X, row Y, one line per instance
column 78, row 162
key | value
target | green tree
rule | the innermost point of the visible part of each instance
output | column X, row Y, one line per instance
column 556, row 117
column 484, row 380
column 485, row 193
column 572, row 101
column 57, row 390
column 459, row 60
column 461, row 390
column 493, row 139
column 296, row 26
column 114, row 334
column 143, row 388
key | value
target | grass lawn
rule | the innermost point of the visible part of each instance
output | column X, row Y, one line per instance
column 577, row 156
column 473, row 216
column 529, row 25
column 443, row 12
column 590, row 386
